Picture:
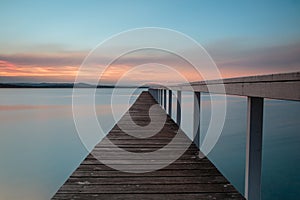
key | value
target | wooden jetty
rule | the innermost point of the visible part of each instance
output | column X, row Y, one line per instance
column 189, row 177
column 283, row 86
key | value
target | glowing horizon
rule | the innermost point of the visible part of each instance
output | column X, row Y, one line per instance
column 37, row 45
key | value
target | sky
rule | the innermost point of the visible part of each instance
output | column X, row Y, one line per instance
column 47, row 41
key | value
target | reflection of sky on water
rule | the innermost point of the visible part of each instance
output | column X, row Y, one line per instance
column 39, row 146
column 281, row 150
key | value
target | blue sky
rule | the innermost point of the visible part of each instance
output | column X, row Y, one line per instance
column 55, row 26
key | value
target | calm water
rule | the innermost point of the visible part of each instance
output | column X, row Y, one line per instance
column 40, row 148
column 281, row 144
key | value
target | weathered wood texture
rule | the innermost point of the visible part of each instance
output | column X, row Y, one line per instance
column 189, row 177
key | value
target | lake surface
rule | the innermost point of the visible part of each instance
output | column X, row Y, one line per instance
column 40, row 147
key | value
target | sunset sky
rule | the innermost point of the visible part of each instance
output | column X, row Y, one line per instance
column 46, row 41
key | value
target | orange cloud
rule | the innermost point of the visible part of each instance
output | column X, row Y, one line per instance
column 10, row 69
column 64, row 66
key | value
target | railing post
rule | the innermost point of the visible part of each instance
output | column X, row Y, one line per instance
column 254, row 148
column 170, row 102
column 165, row 99
column 178, row 116
column 159, row 96
column 196, row 125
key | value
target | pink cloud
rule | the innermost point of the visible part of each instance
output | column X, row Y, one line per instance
column 232, row 59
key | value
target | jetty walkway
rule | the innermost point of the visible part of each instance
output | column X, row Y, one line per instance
column 189, row 177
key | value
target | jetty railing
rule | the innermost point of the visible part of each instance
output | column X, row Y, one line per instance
column 256, row 89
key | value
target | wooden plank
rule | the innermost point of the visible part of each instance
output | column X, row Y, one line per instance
column 188, row 177
column 147, row 180
column 139, row 162
column 147, row 189
column 165, row 173
column 191, row 196
column 193, row 166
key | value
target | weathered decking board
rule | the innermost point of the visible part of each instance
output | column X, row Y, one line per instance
column 189, row 177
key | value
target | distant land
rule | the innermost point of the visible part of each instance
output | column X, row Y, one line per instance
column 59, row 85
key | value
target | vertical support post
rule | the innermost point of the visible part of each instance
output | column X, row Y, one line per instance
column 165, row 99
column 161, row 97
column 157, row 95
column 196, row 124
column 170, row 102
column 254, row 148
column 178, row 116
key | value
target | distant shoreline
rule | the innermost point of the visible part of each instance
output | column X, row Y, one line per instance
column 60, row 85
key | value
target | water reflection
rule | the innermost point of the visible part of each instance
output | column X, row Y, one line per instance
column 281, row 143
column 40, row 148
column 39, row 145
